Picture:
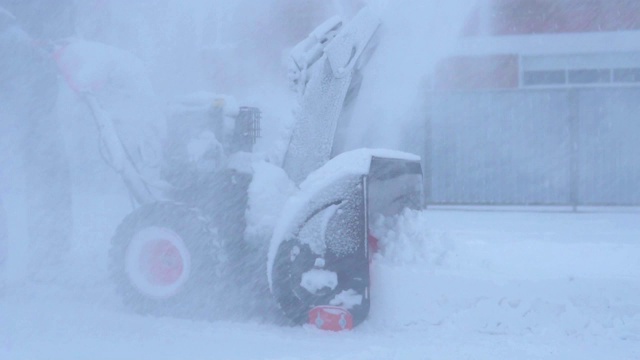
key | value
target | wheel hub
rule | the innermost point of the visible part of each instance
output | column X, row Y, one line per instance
column 161, row 262
column 157, row 262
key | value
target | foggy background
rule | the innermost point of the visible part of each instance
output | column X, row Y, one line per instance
column 508, row 102
column 239, row 48
column 486, row 116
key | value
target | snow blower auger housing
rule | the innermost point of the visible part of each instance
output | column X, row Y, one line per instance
column 319, row 257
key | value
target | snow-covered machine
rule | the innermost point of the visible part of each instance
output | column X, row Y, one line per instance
column 177, row 251
column 321, row 249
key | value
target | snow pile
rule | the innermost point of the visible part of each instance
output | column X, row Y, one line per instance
column 401, row 238
column 408, row 239
column 524, row 274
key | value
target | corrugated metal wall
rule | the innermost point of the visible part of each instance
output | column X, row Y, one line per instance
column 609, row 146
column 576, row 146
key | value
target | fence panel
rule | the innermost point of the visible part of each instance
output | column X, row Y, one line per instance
column 549, row 146
column 500, row 148
column 609, row 147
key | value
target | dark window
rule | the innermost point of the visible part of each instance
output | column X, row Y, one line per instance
column 553, row 77
column 590, row 76
column 631, row 75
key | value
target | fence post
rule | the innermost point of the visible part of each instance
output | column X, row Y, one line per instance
column 427, row 158
column 573, row 100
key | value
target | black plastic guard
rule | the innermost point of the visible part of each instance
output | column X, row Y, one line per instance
column 336, row 231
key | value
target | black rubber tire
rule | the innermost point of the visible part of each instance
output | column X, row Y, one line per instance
column 285, row 277
column 197, row 294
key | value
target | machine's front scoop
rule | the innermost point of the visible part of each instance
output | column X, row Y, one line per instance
column 318, row 264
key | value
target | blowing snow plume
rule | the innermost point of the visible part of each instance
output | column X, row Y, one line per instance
column 413, row 36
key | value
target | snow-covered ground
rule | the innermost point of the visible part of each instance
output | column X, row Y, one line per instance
column 451, row 284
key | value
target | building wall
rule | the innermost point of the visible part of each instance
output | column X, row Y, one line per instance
column 538, row 104
column 528, row 17
column 508, row 43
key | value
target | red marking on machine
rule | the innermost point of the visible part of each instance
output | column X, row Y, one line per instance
column 332, row 318
column 162, row 262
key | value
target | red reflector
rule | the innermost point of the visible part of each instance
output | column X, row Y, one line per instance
column 374, row 245
column 332, row 318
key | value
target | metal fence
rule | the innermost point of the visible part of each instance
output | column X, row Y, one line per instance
column 526, row 147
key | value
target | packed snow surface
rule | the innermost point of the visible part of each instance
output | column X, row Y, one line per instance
column 448, row 284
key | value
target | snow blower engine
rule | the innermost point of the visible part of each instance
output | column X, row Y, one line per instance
column 204, row 132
